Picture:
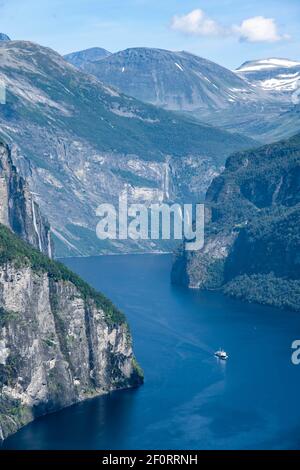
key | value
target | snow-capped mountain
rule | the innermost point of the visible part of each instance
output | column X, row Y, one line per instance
column 279, row 75
column 245, row 101
column 174, row 80
column 81, row 58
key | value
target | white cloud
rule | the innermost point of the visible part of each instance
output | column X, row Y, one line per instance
column 196, row 23
column 259, row 29
column 256, row 29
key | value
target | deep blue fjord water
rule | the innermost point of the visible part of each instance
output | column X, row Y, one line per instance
column 189, row 399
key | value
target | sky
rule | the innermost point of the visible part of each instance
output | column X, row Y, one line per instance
column 228, row 32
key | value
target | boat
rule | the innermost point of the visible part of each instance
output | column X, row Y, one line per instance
column 221, row 354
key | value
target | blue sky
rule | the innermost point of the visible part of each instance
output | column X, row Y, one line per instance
column 219, row 30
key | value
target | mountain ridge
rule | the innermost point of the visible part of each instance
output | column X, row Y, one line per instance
column 199, row 88
column 175, row 80
column 4, row 37
column 80, row 58
column 272, row 74
column 61, row 341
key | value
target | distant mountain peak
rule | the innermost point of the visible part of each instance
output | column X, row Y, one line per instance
column 4, row 37
column 272, row 74
column 86, row 56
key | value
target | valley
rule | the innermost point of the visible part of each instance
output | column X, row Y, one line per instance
column 80, row 143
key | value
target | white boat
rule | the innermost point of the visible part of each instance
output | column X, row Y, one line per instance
column 221, row 354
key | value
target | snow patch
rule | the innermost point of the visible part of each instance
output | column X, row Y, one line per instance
column 179, row 66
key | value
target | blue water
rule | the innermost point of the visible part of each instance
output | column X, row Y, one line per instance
column 189, row 399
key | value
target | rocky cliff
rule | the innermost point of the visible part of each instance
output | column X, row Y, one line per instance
column 252, row 229
column 60, row 341
column 18, row 209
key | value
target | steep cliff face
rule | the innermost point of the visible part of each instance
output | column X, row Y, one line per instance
column 4, row 37
column 18, row 210
column 252, row 229
column 60, row 341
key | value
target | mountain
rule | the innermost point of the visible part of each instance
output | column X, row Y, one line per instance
column 265, row 124
column 18, row 209
column 252, row 229
column 275, row 119
column 4, row 37
column 81, row 58
column 80, row 143
column 197, row 87
column 173, row 80
column 279, row 75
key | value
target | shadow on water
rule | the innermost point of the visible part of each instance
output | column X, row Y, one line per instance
column 72, row 427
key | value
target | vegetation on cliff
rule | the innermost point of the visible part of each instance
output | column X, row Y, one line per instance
column 14, row 250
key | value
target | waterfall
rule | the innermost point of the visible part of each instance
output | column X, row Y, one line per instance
column 35, row 225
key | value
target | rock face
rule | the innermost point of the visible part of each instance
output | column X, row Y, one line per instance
column 80, row 143
column 18, row 209
column 60, row 341
column 252, row 231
